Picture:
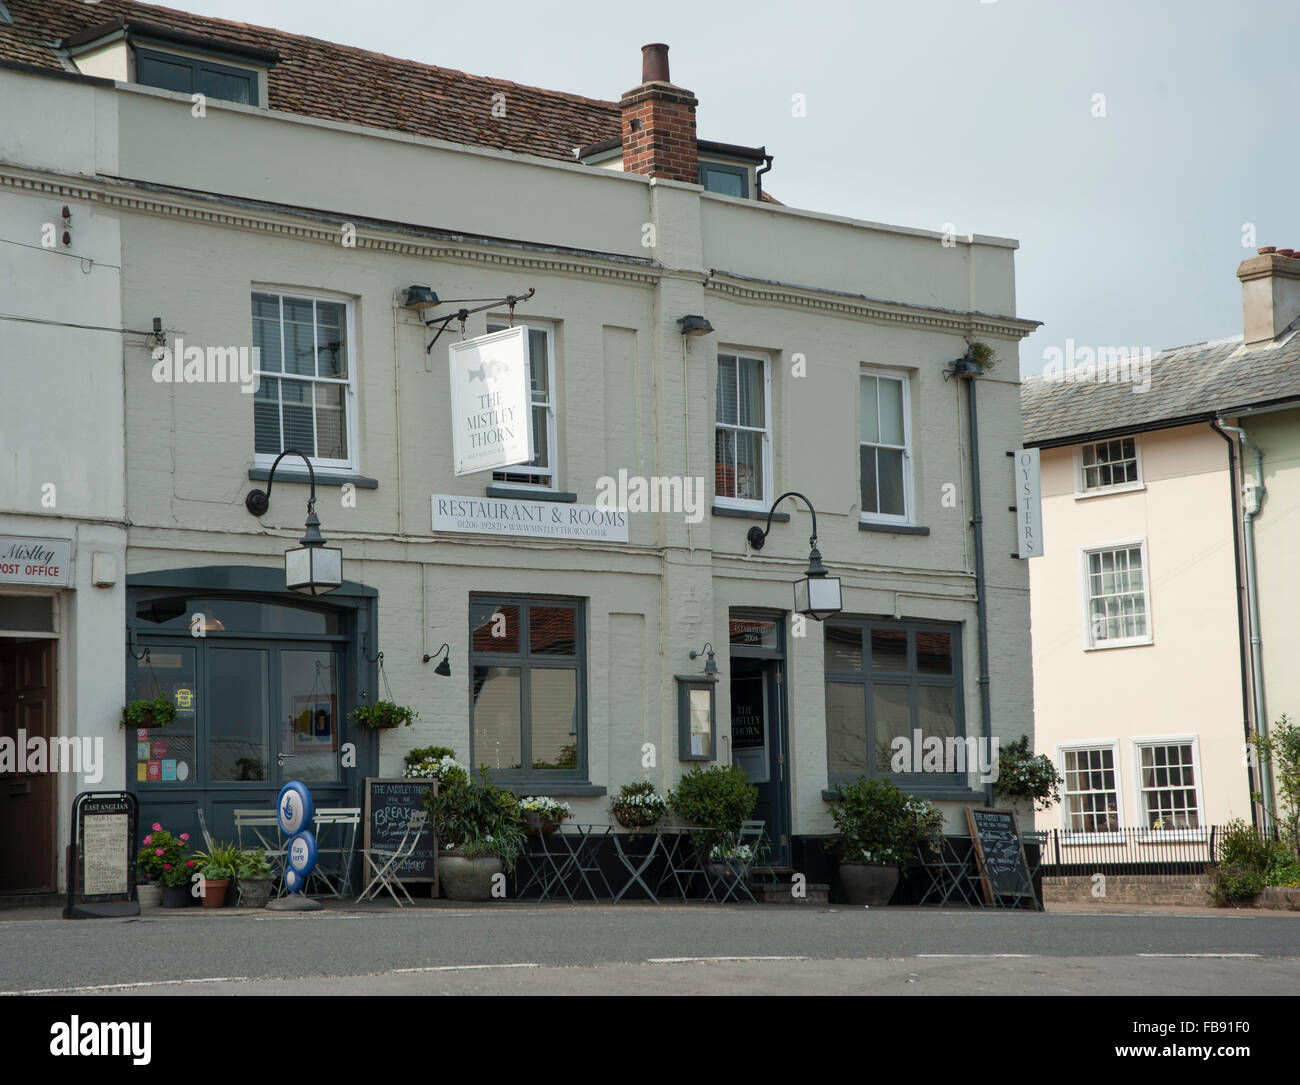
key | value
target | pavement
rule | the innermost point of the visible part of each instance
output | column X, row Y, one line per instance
column 506, row 947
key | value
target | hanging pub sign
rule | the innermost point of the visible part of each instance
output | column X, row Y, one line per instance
column 101, row 858
column 491, row 408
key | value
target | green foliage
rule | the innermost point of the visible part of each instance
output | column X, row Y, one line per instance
column 981, row 354
column 220, row 863
column 383, row 714
column 1242, row 845
column 162, row 859
column 1281, row 750
column 435, row 763
column 880, row 824
column 253, row 864
column 639, row 805
column 478, row 814
column 1022, row 775
column 157, row 712
column 716, row 799
column 1234, row 883
column 428, row 753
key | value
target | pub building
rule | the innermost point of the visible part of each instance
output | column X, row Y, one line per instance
column 683, row 327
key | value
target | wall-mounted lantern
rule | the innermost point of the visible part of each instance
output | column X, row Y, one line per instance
column 816, row 595
column 444, row 667
column 312, row 567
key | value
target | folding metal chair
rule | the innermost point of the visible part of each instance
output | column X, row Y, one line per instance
column 336, row 875
column 387, row 863
column 203, row 830
column 738, row 870
column 260, row 824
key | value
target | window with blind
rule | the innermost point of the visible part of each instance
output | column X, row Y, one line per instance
column 743, row 435
column 305, row 397
column 884, row 455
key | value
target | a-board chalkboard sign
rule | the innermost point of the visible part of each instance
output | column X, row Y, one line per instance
column 101, row 858
column 1000, row 855
column 389, row 806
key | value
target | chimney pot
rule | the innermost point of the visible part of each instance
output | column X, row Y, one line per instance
column 654, row 63
column 1266, row 250
column 1286, row 252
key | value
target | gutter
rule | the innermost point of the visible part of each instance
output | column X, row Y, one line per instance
column 1254, row 499
column 1242, row 665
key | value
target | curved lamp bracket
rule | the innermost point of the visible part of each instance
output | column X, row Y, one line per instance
column 258, row 501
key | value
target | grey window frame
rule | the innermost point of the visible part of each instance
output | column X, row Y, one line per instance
column 527, row 662
column 195, row 66
column 913, row 782
column 720, row 167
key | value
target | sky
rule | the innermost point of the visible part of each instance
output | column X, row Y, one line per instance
column 1132, row 209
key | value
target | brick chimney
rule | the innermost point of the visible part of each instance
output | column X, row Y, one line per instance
column 659, row 123
column 1270, row 294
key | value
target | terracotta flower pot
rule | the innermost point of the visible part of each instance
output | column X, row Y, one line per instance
column 214, row 893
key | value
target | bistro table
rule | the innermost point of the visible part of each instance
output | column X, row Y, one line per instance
column 567, row 859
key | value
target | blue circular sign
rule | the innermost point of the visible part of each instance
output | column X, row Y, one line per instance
column 292, row 881
column 302, row 854
column 294, row 808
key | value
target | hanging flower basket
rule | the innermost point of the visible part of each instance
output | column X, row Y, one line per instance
column 383, row 716
column 158, row 712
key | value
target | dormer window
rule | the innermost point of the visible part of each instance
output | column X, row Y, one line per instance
column 730, row 170
column 158, row 56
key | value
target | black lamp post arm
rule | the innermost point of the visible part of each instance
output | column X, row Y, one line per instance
column 258, row 501
column 757, row 538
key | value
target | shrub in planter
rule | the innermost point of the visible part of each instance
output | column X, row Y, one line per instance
column 1023, row 775
column 481, row 826
column 218, row 868
column 1235, row 883
column 638, row 805
column 254, row 879
column 716, row 799
column 880, row 827
column 156, row 712
column 383, row 715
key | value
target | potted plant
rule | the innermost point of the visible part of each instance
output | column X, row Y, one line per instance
column 156, row 712
column 434, row 763
column 639, row 805
column 880, row 828
column 162, row 863
column 715, row 801
column 149, row 894
column 217, row 868
column 383, row 715
column 481, row 829
column 543, row 815
column 254, row 878
column 729, row 861
column 1026, row 777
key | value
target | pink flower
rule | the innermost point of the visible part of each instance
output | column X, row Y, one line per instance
column 189, row 862
column 158, row 851
column 157, row 827
column 185, row 836
column 148, row 839
column 167, row 866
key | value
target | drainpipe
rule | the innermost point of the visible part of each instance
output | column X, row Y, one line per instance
column 758, row 175
column 1242, row 664
column 968, row 369
column 1254, row 496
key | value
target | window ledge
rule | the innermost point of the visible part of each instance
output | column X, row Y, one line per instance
column 1133, row 642
column 1171, row 836
column 1084, row 495
column 558, row 788
column 323, row 478
column 522, row 493
column 896, row 529
column 750, row 514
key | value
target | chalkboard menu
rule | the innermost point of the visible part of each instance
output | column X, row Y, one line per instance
column 389, row 806
column 101, row 858
column 1000, row 855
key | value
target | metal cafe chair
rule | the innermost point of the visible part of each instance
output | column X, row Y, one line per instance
column 738, row 870
column 259, row 824
column 386, row 863
column 336, row 876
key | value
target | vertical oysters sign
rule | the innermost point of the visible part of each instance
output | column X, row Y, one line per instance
column 491, row 415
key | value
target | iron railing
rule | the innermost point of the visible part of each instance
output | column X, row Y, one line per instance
column 1130, row 851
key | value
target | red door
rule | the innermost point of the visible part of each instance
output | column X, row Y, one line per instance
column 28, row 814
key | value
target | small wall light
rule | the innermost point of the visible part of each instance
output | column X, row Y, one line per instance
column 420, row 297
column 444, row 667
column 710, row 665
